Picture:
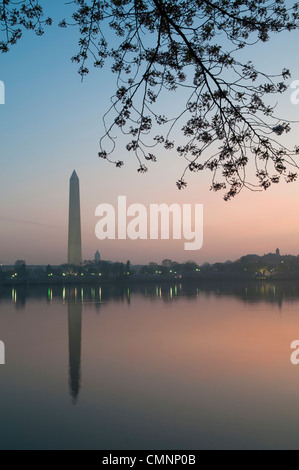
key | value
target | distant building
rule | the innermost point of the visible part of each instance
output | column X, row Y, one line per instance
column 167, row 263
column 270, row 259
column 277, row 252
column 19, row 263
column 97, row 256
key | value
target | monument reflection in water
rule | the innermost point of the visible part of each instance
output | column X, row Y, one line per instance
column 74, row 297
column 156, row 366
column 74, row 331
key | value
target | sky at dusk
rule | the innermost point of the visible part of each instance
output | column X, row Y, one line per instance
column 51, row 124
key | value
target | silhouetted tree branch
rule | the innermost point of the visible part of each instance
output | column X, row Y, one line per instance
column 165, row 46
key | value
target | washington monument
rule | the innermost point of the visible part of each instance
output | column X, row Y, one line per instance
column 74, row 242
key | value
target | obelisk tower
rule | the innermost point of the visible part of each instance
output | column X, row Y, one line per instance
column 74, row 241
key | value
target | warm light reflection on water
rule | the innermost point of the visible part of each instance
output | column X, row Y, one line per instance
column 158, row 366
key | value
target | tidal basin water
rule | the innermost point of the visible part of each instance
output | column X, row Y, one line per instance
column 149, row 367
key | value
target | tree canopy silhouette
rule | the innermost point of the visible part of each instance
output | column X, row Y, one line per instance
column 225, row 118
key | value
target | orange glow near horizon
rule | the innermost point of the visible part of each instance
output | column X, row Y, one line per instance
column 253, row 222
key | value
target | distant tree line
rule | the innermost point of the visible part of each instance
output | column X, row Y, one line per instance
column 270, row 265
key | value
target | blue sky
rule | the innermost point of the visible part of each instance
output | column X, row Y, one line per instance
column 51, row 124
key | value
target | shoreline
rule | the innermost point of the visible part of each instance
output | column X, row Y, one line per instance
column 133, row 280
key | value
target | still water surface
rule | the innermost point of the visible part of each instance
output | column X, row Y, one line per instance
column 156, row 367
